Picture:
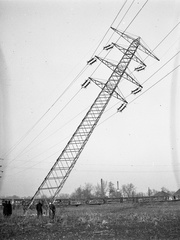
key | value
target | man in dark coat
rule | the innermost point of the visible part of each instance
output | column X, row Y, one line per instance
column 9, row 209
column 39, row 209
column 5, row 208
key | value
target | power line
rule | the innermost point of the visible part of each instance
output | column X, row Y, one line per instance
column 144, row 81
column 108, row 29
column 161, row 67
column 137, row 96
column 100, row 63
column 136, row 15
column 27, row 133
column 22, row 138
column 25, row 169
column 129, row 26
column 123, row 31
column 64, row 91
column 164, row 38
column 167, row 35
column 141, row 93
column 57, row 130
column 121, row 20
column 126, row 28
column 110, row 37
column 106, row 97
column 44, row 151
column 146, row 58
column 46, row 126
column 155, row 83
column 130, row 94
column 36, row 123
column 131, row 101
column 142, row 171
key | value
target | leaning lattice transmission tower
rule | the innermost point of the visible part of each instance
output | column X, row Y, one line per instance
column 58, row 174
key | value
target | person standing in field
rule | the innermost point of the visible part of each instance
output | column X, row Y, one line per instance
column 5, row 208
column 52, row 210
column 24, row 206
column 9, row 209
column 39, row 209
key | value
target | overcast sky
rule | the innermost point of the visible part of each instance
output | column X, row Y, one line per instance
column 44, row 45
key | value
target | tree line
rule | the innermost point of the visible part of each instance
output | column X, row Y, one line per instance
column 104, row 189
column 108, row 189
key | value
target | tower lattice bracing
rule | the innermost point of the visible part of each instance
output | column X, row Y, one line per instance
column 56, row 177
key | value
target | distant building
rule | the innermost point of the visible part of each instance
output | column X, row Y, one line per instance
column 163, row 195
column 177, row 195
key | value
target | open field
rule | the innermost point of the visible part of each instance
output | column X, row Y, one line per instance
column 160, row 220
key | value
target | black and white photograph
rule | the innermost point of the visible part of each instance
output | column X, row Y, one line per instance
column 89, row 119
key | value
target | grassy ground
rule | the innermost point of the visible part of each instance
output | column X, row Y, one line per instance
column 116, row 221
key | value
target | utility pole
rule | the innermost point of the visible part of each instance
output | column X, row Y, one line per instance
column 58, row 174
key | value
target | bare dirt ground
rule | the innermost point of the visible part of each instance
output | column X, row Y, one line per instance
column 112, row 222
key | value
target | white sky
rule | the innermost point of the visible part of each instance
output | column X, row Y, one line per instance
column 44, row 45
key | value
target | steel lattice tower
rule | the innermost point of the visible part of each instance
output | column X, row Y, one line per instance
column 56, row 177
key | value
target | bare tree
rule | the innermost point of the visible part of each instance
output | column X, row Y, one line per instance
column 165, row 190
column 97, row 190
column 64, row 195
column 112, row 190
column 87, row 190
column 153, row 192
column 140, row 194
column 83, row 192
column 128, row 190
column 101, row 190
column 150, row 192
column 78, row 193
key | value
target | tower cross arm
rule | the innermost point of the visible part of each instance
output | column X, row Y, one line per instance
column 140, row 47
column 135, row 58
column 124, row 35
column 107, row 63
column 115, row 93
column 147, row 51
column 131, row 79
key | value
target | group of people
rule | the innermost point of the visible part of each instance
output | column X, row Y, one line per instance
column 7, row 208
column 39, row 209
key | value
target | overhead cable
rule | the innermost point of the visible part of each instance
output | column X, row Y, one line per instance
column 36, row 123
column 123, row 31
column 141, row 94
column 108, row 29
column 138, row 96
column 155, row 83
column 121, row 20
column 161, row 67
column 46, row 126
column 164, row 38
column 27, row 133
